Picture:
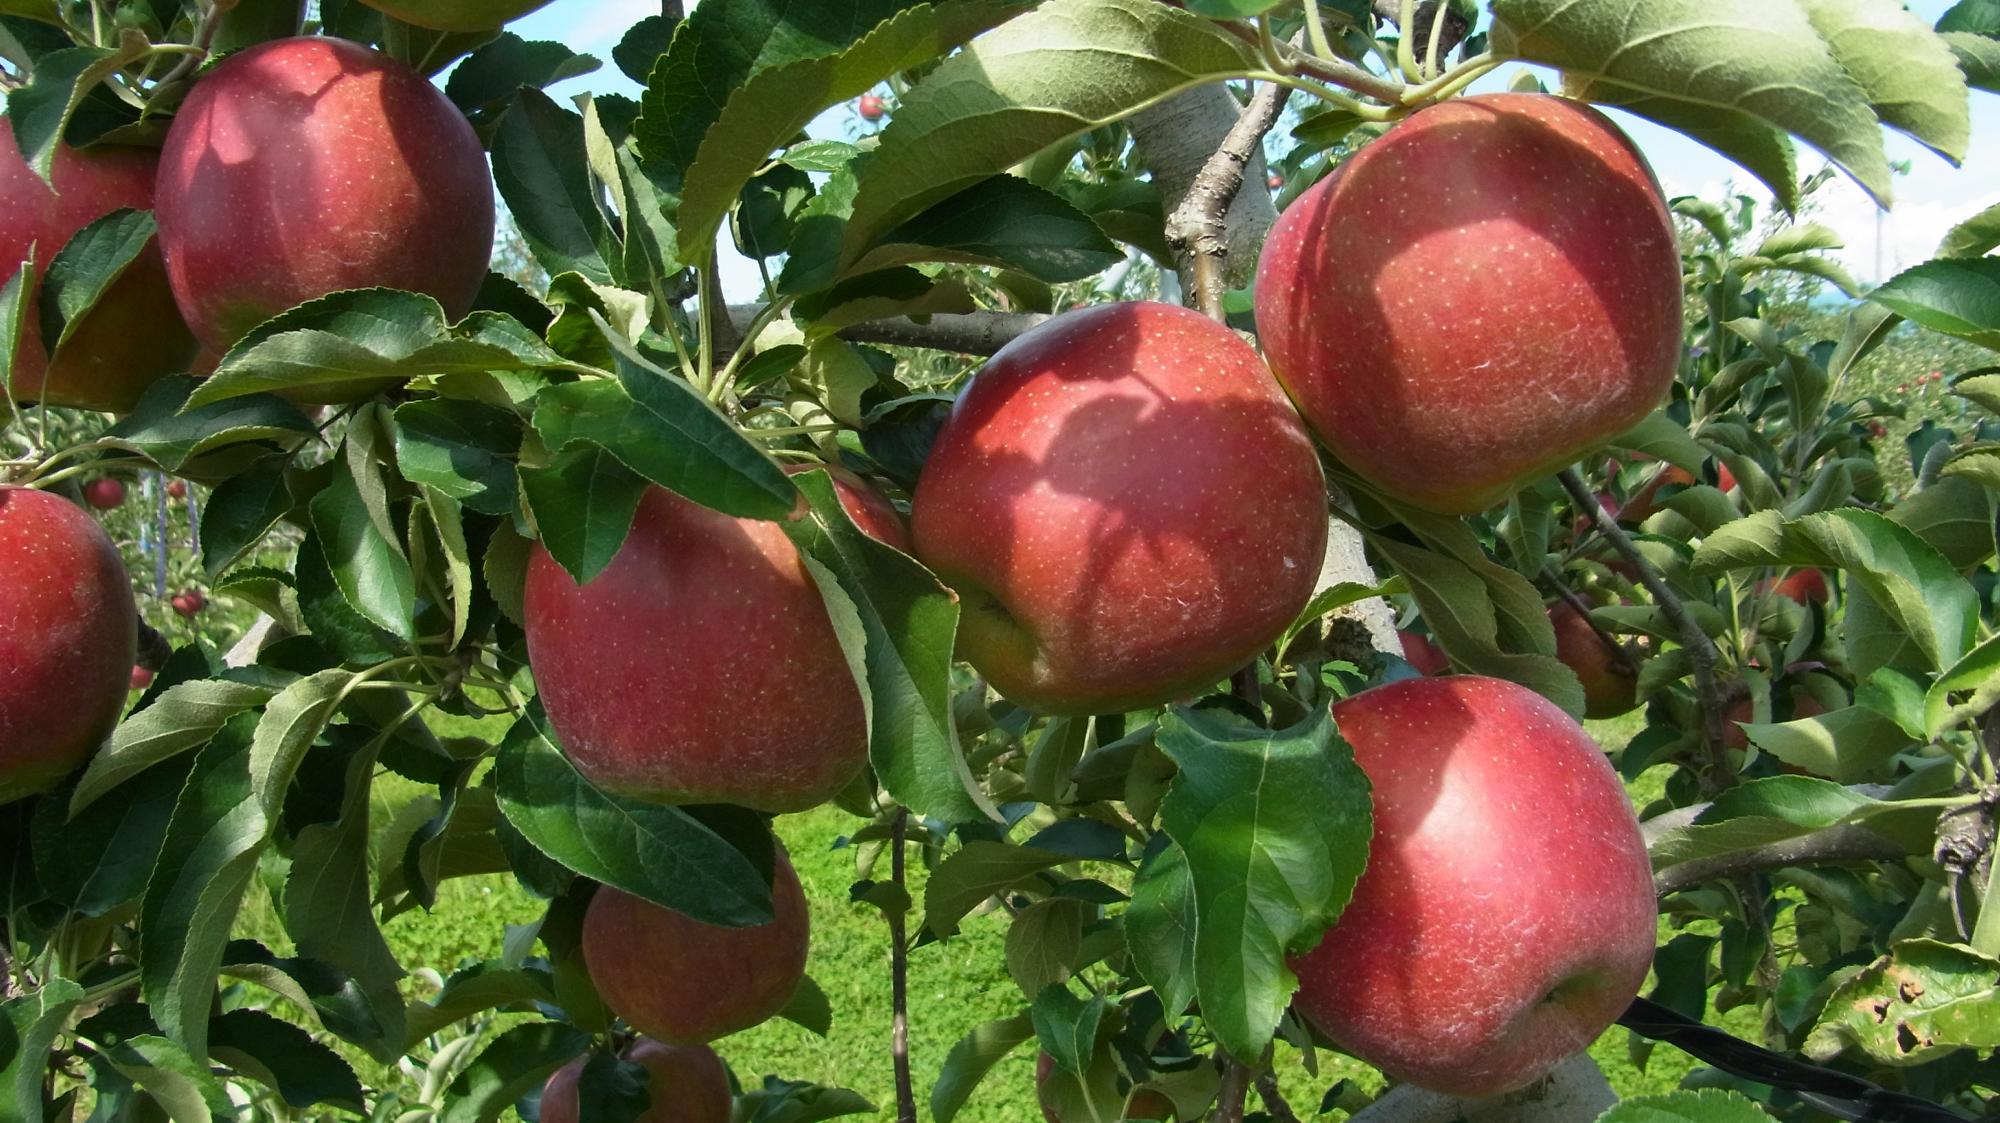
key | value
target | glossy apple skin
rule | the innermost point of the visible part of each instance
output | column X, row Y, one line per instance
column 1609, row 687
column 134, row 335
column 104, row 494
column 688, row 1084
column 872, row 514
column 306, row 166
column 68, row 639
column 1476, row 299
column 699, row 667
column 1419, row 652
column 1506, row 916
column 871, row 107
column 1127, row 506
column 456, row 15
column 688, row 983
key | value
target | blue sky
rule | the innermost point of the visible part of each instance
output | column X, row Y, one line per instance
column 1929, row 200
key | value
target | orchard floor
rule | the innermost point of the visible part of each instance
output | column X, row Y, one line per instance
column 954, row 985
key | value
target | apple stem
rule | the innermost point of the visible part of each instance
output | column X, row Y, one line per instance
column 1198, row 230
column 1701, row 651
column 899, row 980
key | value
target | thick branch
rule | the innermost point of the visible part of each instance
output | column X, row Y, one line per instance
column 1198, row 228
column 1176, row 139
column 1274, row 1100
column 1234, row 1090
column 1700, row 649
column 1576, row 1092
column 1832, row 846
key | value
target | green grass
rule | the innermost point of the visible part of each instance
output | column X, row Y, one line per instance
column 954, row 985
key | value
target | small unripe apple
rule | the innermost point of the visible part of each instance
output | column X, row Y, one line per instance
column 142, row 677
column 1476, row 299
column 177, row 489
column 456, row 15
column 104, row 493
column 871, row 107
column 133, row 335
column 686, row 1084
column 305, row 166
column 1610, row 687
column 685, row 982
column 1419, row 652
column 68, row 639
column 1506, row 915
column 700, row 667
column 1127, row 507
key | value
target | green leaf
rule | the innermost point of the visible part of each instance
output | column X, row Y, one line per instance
column 1663, row 438
column 975, row 872
column 660, row 853
column 1065, row 68
column 1706, row 1105
column 795, row 1101
column 1003, row 222
column 1766, row 62
column 240, row 512
column 1923, row 1000
column 334, row 998
column 13, row 322
column 86, row 267
column 481, row 986
column 779, row 98
column 32, row 1022
column 909, row 621
column 1160, row 927
column 100, row 859
column 1954, row 515
column 494, row 72
column 1978, row 56
column 369, row 565
column 1914, row 584
column 1909, row 74
column 1759, row 812
column 1978, row 674
column 213, row 842
column 182, row 1086
column 40, row 112
column 1044, row 941
column 544, row 178
column 971, row 1058
column 1957, row 296
column 164, row 427
column 518, row 1060
column 1067, row 1026
column 348, row 344
column 1848, row 744
column 1276, row 826
column 290, row 724
column 809, row 1009
column 285, row 1058
column 462, row 448
column 187, row 716
column 583, row 503
column 1743, row 138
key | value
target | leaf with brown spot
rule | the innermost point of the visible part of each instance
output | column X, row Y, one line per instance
column 1923, row 1000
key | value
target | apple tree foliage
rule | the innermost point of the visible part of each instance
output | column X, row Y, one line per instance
column 1826, row 866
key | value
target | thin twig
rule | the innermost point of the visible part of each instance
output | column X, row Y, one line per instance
column 899, row 981
column 1274, row 1100
column 1234, row 1090
column 1198, row 229
column 967, row 333
column 205, row 26
column 1700, row 649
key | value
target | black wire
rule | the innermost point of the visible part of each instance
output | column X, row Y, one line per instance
column 1839, row 1094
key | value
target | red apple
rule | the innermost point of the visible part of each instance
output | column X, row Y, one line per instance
column 871, row 107
column 177, row 489
column 1274, row 181
column 1126, row 505
column 873, row 515
column 1610, row 687
column 1583, row 523
column 456, row 15
column 305, row 166
column 686, row 983
column 1506, row 915
column 142, row 677
column 1804, row 705
column 1484, row 294
column 134, row 334
column 1801, row 585
column 687, row 1084
column 699, row 667
column 1427, row 657
column 1645, row 502
column 104, row 493
column 189, row 604
column 68, row 639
